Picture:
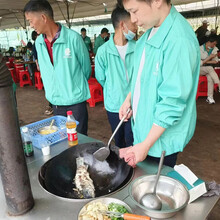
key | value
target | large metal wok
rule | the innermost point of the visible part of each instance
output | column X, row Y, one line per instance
column 56, row 175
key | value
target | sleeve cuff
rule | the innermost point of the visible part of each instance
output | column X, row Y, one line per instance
column 161, row 124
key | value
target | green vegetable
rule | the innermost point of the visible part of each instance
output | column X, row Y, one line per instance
column 114, row 207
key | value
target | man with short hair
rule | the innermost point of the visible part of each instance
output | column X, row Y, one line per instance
column 114, row 69
column 164, row 83
column 202, row 32
column 86, row 39
column 100, row 39
column 64, row 63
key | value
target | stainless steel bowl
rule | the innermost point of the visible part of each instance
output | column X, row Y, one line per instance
column 173, row 194
column 107, row 201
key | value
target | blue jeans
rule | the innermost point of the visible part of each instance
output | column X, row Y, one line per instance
column 124, row 136
column 80, row 113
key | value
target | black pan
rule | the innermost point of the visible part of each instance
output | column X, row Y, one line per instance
column 56, row 175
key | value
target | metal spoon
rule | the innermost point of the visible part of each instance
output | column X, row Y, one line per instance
column 102, row 153
column 151, row 200
column 51, row 124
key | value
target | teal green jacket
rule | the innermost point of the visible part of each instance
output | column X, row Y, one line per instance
column 65, row 82
column 88, row 43
column 98, row 42
column 110, row 73
column 168, row 84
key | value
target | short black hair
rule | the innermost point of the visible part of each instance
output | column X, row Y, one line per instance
column 120, row 2
column 83, row 29
column 29, row 45
column 212, row 38
column 39, row 6
column 34, row 35
column 104, row 30
column 119, row 14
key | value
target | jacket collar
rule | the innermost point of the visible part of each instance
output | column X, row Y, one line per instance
column 164, row 29
column 61, row 39
column 113, row 50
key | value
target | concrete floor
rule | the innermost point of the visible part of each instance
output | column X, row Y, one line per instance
column 202, row 154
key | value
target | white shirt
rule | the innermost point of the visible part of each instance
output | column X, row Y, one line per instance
column 122, row 52
column 153, row 32
column 204, row 54
column 137, row 88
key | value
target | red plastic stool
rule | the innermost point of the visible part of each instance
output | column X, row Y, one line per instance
column 96, row 94
column 18, row 68
column 217, row 70
column 93, row 70
column 38, row 81
column 8, row 65
column 24, row 78
column 13, row 75
column 92, row 81
column 202, row 87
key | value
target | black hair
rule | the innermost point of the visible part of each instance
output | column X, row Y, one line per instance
column 29, row 45
column 34, row 35
column 213, row 38
column 104, row 30
column 83, row 29
column 119, row 14
column 120, row 2
column 39, row 6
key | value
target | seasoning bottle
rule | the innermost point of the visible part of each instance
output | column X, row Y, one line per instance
column 27, row 143
column 71, row 129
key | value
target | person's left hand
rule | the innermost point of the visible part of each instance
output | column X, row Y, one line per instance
column 135, row 154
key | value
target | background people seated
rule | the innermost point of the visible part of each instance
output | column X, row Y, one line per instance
column 209, row 57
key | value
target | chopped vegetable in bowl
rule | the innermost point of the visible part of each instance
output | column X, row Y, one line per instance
column 114, row 207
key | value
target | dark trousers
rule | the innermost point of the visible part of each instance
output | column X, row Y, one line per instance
column 124, row 136
column 169, row 160
column 80, row 113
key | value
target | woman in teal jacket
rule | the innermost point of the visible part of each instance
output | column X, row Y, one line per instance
column 113, row 70
column 164, row 85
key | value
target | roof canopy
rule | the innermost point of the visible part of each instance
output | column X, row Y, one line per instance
column 11, row 11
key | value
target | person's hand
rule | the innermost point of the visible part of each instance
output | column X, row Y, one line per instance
column 123, row 110
column 135, row 154
column 130, row 158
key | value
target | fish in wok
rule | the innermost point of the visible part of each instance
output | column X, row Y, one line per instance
column 84, row 184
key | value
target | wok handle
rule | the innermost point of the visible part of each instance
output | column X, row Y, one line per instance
column 128, row 216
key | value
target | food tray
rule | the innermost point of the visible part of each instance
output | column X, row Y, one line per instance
column 38, row 139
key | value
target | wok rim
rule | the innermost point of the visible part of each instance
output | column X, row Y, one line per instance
column 41, row 179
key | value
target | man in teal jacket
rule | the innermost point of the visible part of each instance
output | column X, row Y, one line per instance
column 100, row 40
column 64, row 63
column 164, row 85
column 113, row 70
column 86, row 40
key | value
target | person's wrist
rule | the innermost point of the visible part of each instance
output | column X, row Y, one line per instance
column 146, row 145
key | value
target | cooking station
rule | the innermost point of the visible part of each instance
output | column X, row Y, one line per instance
column 50, row 207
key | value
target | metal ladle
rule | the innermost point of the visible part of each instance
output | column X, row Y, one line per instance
column 102, row 153
column 151, row 200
